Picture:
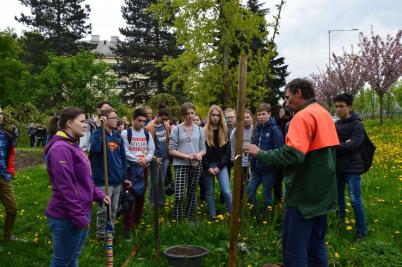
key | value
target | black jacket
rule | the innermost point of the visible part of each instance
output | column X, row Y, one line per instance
column 348, row 159
column 216, row 155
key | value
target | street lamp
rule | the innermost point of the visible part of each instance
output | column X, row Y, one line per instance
column 329, row 42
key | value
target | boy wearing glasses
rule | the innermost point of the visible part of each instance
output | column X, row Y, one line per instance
column 116, row 166
column 349, row 164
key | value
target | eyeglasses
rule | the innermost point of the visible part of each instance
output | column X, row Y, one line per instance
column 114, row 118
column 340, row 106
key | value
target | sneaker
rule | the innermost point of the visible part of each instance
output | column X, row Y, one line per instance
column 14, row 238
column 127, row 235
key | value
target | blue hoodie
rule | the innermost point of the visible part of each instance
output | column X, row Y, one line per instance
column 266, row 136
column 116, row 158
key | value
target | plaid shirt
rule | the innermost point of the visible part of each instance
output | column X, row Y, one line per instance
column 3, row 158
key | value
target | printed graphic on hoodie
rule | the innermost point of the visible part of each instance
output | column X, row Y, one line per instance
column 113, row 146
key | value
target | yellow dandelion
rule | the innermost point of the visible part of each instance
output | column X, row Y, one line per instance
column 353, row 221
column 336, row 255
column 209, row 222
column 397, row 232
column 220, row 217
column 349, row 228
column 264, row 222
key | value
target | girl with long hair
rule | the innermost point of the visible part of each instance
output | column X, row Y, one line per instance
column 216, row 159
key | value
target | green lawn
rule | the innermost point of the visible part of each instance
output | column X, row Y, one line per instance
column 382, row 188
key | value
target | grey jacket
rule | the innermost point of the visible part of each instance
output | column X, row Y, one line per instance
column 188, row 145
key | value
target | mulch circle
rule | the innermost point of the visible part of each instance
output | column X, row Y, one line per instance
column 28, row 158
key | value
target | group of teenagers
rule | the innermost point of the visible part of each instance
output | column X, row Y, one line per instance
column 300, row 147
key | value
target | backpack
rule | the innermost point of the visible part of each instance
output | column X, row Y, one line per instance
column 366, row 150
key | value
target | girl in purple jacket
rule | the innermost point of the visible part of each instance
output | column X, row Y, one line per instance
column 73, row 190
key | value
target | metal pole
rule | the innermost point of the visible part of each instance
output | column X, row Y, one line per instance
column 329, row 43
column 329, row 49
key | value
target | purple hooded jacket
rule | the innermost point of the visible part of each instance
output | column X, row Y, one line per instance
column 70, row 174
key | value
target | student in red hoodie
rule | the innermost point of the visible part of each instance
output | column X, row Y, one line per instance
column 7, row 195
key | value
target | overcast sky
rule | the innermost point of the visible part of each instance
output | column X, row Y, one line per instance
column 303, row 38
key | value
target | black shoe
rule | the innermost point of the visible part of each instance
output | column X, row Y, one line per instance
column 169, row 191
column 100, row 238
column 127, row 235
column 360, row 238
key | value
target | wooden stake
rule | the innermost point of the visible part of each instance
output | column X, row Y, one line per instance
column 105, row 174
column 241, row 98
column 156, row 209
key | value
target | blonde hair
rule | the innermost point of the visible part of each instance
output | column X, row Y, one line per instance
column 209, row 132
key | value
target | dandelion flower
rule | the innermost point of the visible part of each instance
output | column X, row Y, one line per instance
column 349, row 228
column 336, row 255
column 220, row 217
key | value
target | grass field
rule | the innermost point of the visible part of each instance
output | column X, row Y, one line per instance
column 382, row 199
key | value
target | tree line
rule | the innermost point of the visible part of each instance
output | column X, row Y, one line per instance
column 185, row 49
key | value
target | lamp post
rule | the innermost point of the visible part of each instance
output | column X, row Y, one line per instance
column 329, row 42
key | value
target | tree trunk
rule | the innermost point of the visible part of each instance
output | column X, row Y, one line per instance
column 373, row 101
column 388, row 96
column 381, row 95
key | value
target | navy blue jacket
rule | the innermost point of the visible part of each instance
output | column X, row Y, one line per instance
column 266, row 136
column 116, row 158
